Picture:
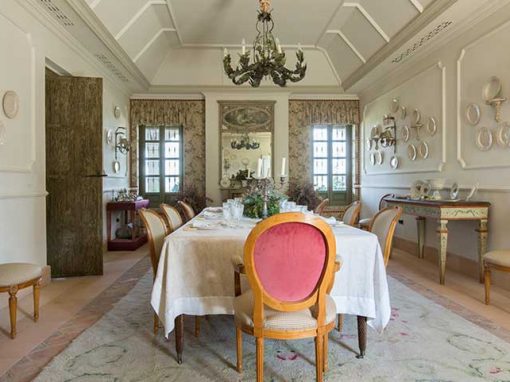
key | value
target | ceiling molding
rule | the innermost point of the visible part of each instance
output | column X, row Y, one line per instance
column 403, row 36
column 328, row 24
column 137, row 15
column 92, row 21
column 323, row 96
column 176, row 96
column 417, row 5
column 95, row 3
column 369, row 18
column 263, row 89
column 174, row 21
column 349, row 43
column 151, row 41
column 331, row 65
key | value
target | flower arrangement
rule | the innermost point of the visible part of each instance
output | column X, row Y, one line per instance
column 254, row 203
column 304, row 194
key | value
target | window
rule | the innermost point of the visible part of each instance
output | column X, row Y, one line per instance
column 332, row 162
column 161, row 162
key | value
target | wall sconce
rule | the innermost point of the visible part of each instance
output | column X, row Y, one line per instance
column 388, row 137
column 121, row 142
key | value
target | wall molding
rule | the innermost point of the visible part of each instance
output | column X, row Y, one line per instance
column 176, row 96
column 464, row 164
column 23, row 195
column 465, row 187
column 323, row 97
column 439, row 168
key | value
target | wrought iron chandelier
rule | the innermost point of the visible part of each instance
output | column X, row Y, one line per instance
column 245, row 142
column 268, row 57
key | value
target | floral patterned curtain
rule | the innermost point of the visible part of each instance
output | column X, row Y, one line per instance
column 188, row 113
column 302, row 116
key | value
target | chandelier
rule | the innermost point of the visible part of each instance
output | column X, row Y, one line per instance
column 268, row 57
column 244, row 143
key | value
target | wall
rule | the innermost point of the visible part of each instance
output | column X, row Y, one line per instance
column 441, row 84
column 22, row 156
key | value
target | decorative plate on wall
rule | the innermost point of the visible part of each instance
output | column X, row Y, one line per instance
column 109, row 137
column 423, row 149
column 394, row 162
column 403, row 112
column 484, row 139
column 372, row 159
column 394, row 105
column 225, row 182
column 406, row 133
column 379, row 157
column 10, row 104
column 369, row 144
column 116, row 112
column 411, row 151
column 503, row 134
column 416, row 116
column 432, row 126
column 116, row 167
column 492, row 89
column 473, row 114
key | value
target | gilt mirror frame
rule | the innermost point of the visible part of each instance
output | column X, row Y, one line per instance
column 259, row 117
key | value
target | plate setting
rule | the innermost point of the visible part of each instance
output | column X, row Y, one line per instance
column 10, row 104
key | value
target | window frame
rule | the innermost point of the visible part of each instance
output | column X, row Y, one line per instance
column 162, row 196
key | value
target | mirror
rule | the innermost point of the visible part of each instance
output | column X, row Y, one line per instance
column 246, row 135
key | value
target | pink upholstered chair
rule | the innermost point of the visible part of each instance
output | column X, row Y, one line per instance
column 290, row 262
column 351, row 214
column 189, row 212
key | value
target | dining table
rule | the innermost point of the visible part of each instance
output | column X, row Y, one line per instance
column 195, row 274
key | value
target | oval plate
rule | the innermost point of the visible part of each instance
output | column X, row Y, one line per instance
column 10, row 104
column 411, row 151
column 394, row 162
column 484, row 139
column 473, row 114
column 432, row 126
column 423, row 149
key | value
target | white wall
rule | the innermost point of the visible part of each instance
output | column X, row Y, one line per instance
column 212, row 132
column 430, row 83
column 22, row 157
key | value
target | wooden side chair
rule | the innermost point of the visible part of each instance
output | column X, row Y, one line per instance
column 157, row 231
column 351, row 214
column 16, row 276
column 289, row 260
column 189, row 212
column 494, row 261
column 365, row 223
column 321, row 207
column 173, row 217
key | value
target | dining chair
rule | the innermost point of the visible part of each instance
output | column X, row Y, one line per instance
column 157, row 231
column 497, row 261
column 173, row 217
column 351, row 214
column 189, row 212
column 321, row 207
column 289, row 260
column 365, row 223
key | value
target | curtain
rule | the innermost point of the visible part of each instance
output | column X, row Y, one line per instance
column 190, row 115
column 302, row 116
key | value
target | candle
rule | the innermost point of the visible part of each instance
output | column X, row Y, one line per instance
column 283, row 166
column 259, row 168
column 268, row 170
column 278, row 46
column 244, row 46
column 225, row 52
column 299, row 47
column 248, row 169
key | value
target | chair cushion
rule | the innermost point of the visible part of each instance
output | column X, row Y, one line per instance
column 18, row 273
column 501, row 258
column 302, row 319
column 365, row 222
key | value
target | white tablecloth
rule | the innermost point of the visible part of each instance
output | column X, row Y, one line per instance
column 195, row 274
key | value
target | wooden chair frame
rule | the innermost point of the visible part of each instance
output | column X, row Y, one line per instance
column 188, row 211
column 355, row 216
column 381, row 204
column 13, row 300
column 261, row 298
column 322, row 205
column 391, row 232
column 488, row 268
column 165, row 206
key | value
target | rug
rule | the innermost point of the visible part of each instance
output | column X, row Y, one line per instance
column 423, row 342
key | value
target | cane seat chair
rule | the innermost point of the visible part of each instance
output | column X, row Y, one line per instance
column 16, row 276
column 365, row 223
column 351, row 214
column 173, row 217
column 189, row 212
column 321, row 207
column 289, row 260
column 494, row 261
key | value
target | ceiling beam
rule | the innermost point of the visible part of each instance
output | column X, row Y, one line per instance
column 327, row 26
column 417, row 5
column 331, row 65
column 137, row 15
column 348, row 42
column 174, row 21
column 151, row 41
column 95, row 3
column 433, row 11
column 369, row 18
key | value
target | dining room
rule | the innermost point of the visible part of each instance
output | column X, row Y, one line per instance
column 269, row 190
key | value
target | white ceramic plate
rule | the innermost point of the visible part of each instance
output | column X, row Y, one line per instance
column 379, row 157
column 394, row 105
column 432, row 126
column 116, row 112
column 394, row 162
column 473, row 114
column 406, row 133
column 411, row 151
column 225, row 182
column 403, row 112
column 484, row 139
column 3, row 133
column 416, row 116
column 423, row 149
column 109, row 137
column 492, row 89
column 116, row 167
column 503, row 134
column 372, row 159
column 10, row 104
column 369, row 144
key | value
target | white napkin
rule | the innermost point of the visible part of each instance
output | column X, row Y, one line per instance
column 202, row 224
column 211, row 215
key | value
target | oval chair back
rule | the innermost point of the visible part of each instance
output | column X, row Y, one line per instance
column 320, row 208
column 289, row 260
column 189, row 212
column 351, row 214
column 156, row 231
column 382, row 201
column 383, row 225
column 173, row 216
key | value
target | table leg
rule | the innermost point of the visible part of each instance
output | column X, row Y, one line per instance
column 482, row 246
column 443, row 245
column 362, row 336
column 179, row 337
column 421, row 236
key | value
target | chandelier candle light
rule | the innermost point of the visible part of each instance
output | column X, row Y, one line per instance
column 268, row 56
column 265, row 184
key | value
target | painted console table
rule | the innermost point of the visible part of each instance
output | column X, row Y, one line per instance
column 444, row 211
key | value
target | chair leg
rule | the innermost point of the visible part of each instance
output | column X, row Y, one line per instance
column 325, row 355
column 319, row 363
column 156, row 323
column 197, row 326
column 37, row 289
column 239, row 350
column 487, row 286
column 340, row 326
column 260, row 359
column 13, row 305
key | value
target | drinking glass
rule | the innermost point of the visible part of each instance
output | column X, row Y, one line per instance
column 227, row 212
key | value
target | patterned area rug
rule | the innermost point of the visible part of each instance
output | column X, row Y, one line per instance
column 423, row 342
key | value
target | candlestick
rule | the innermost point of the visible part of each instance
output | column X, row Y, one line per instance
column 259, row 168
column 225, row 52
column 278, row 46
column 283, row 166
column 244, row 46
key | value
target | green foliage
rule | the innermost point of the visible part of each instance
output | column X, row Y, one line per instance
column 254, row 204
column 304, row 194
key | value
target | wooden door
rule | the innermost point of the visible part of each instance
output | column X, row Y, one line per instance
column 74, row 163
